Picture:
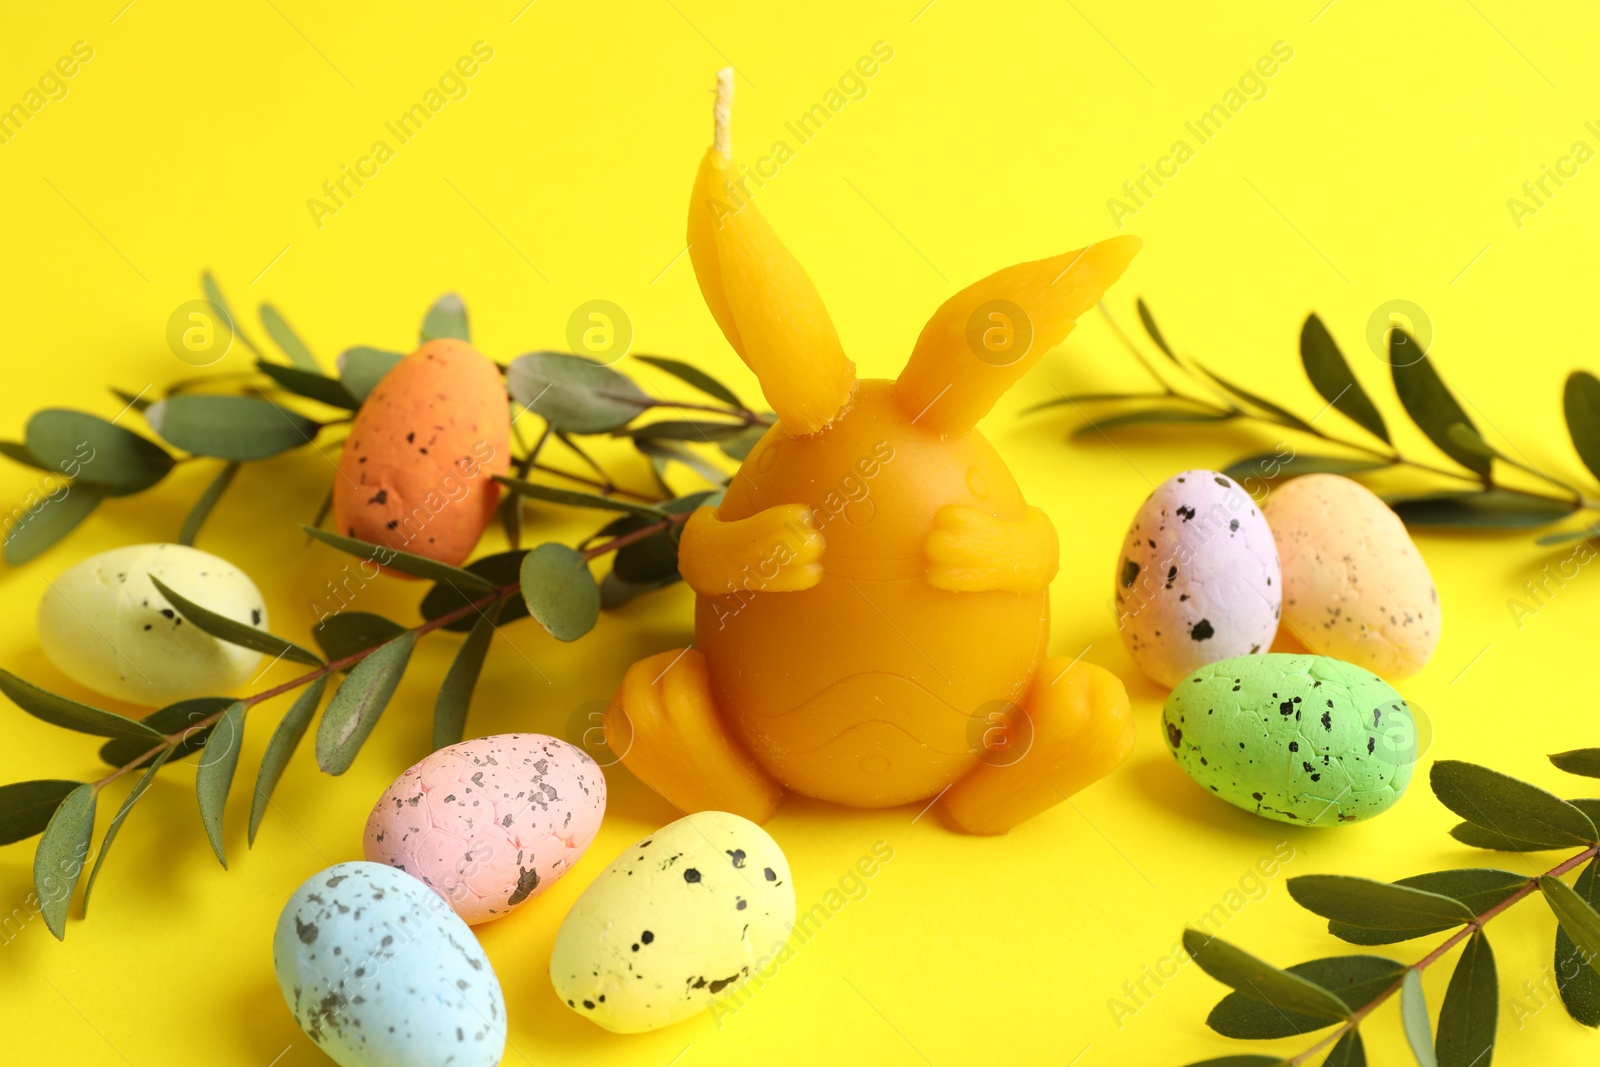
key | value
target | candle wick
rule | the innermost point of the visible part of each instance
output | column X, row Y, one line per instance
column 722, row 111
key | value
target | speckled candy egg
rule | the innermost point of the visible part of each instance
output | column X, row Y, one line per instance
column 678, row 919
column 417, row 473
column 490, row 823
column 1354, row 585
column 104, row 623
column 1197, row 580
column 379, row 972
column 1301, row 739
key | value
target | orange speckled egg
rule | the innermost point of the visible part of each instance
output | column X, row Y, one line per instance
column 417, row 473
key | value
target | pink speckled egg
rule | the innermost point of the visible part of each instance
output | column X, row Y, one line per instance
column 491, row 822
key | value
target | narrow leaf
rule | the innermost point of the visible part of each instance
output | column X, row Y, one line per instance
column 213, row 776
column 1148, row 321
column 186, row 720
column 310, row 384
column 230, row 427
column 1576, row 978
column 1479, row 888
column 1429, row 402
column 1331, row 376
column 1564, row 536
column 59, row 860
column 349, row 632
column 1577, row 917
column 615, row 592
column 576, row 499
column 1414, row 1017
column 694, row 376
column 1243, row 1060
column 361, row 368
column 1503, row 804
column 446, row 318
column 652, row 560
column 1584, row 761
column 1476, row 836
column 500, row 569
column 560, row 592
column 1471, row 1008
column 1488, row 509
column 1256, row 978
column 695, row 431
column 1356, row 980
column 285, row 739
column 18, row 452
column 1068, row 400
column 287, row 339
column 404, row 562
column 118, row 819
column 71, row 715
column 52, row 520
column 94, row 450
column 1581, row 401
column 1375, row 905
column 572, row 394
column 356, row 706
column 1150, row 416
column 208, row 500
column 671, row 451
column 739, row 446
column 234, row 631
column 1255, row 400
column 1271, row 467
column 26, row 807
column 214, row 294
column 1349, row 1052
column 322, row 510
column 455, row 695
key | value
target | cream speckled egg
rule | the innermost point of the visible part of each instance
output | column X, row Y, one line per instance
column 492, row 822
column 1197, row 580
column 1354, row 585
column 104, row 623
column 379, row 972
column 676, row 920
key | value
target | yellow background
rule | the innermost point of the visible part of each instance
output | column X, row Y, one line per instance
column 1377, row 167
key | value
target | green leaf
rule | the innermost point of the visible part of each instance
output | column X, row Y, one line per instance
column 694, row 376
column 356, row 706
column 1576, row 978
column 615, row 592
column 455, row 695
column 26, row 807
column 232, row 630
column 1349, row 1052
column 1271, row 467
column 404, row 562
column 1414, row 1017
column 287, row 339
column 1375, row 905
column 18, row 452
column 1577, row 916
column 576, row 499
column 230, row 427
column 695, row 431
column 1254, row 399
column 136, row 401
column 1581, row 401
column 343, row 635
column 182, row 719
column 560, row 592
column 310, row 384
column 118, row 819
column 1331, row 376
column 1148, row 321
column 654, row 559
column 1479, row 888
column 573, row 394
column 501, row 569
column 446, row 318
column 1489, row 509
column 662, row 452
column 1478, row 837
column 739, row 446
column 1429, row 402
column 1151, row 416
column 1584, row 761
column 59, row 860
column 50, row 522
column 93, row 450
column 213, row 777
column 1356, row 980
column 1585, row 534
column 1237, row 969
column 71, row 715
column 208, row 500
column 1471, row 1008
column 214, row 294
column 361, row 368
column 1503, row 804
column 322, row 511
column 285, row 739
column 1245, row 1060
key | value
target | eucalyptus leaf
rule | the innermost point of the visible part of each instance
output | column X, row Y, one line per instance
column 404, row 562
column 670, row 451
column 1237, row 969
column 361, row 368
column 230, row 427
column 1073, row 399
column 560, row 592
column 1243, row 1060
column 573, row 394
column 1355, row 979
column 182, row 719
column 1471, row 1008
column 349, row 632
column 58, row 861
column 96, row 451
column 576, row 499
column 310, row 384
column 214, row 774
column 1375, row 905
column 615, row 591
column 1271, row 467
column 1331, row 376
column 1503, row 804
column 1584, row 761
column 1414, row 1018
column 208, row 500
column 26, row 807
column 49, row 522
column 118, row 819
column 286, row 339
column 653, row 559
column 214, row 294
column 1578, row 918
column 285, row 739
column 1478, row 837
column 1581, row 403
column 136, row 401
column 739, row 446
column 18, row 452
column 455, row 695
column 686, row 372
column 1348, row 1052
column 1429, row 402
column 1151, row 416
column 1576, row 978
column 356, row 706
column 322, row 510
column 446, row 318
column 232, row 630
column 1255, row 400
column 501, row 569
column 71, row 715
column 1563, row 537
column 1148, row 321
column 1479, row 888
column 1491, row 509
column 695, row 431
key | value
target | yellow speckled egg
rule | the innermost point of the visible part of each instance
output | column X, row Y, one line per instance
column 417, row 473
column 1354, row 585
column 678, row 919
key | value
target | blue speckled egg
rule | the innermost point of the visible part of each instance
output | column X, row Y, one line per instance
column 381, row 973
column 1306, row 740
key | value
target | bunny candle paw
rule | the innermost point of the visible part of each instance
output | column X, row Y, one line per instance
column 972, row 551
column 776, row 550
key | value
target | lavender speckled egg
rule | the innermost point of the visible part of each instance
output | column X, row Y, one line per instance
column 379, row 972
column 490, row 823
column 1354, row 584
column 1197, row 580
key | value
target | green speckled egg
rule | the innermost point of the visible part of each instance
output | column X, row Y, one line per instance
column 1306, row 740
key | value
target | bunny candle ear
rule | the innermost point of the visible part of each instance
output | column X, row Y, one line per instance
column 768, row 309
column 985, row 337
